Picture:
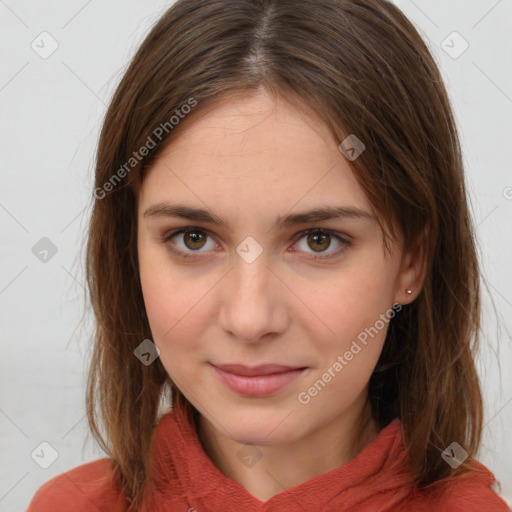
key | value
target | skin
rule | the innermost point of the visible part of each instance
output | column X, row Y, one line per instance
column 249, row 160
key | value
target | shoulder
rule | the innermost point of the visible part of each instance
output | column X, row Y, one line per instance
column 87, row 486
column 469, row 492
column 473, row 493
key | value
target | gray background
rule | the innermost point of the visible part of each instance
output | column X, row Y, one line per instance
column 50, row 115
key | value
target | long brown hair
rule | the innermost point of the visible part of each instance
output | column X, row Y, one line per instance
column 365, row 70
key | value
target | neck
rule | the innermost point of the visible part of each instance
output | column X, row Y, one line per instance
column 284, row 466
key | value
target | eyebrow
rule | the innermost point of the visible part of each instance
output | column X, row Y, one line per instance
column 282, row 222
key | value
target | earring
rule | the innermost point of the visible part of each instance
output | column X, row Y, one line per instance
column 395, row 304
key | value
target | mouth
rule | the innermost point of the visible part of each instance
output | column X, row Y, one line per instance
column 257, row 381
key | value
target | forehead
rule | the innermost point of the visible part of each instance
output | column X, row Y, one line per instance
column 256, row 151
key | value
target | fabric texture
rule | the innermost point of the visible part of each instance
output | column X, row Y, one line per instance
column 186, row 480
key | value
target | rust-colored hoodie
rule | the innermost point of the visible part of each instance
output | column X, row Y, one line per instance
column 186, row 480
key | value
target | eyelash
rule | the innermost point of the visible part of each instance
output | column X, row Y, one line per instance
column 185, row 255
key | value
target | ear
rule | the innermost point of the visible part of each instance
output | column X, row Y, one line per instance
column 412, row 270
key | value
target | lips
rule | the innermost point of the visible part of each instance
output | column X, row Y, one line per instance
column 264, row 369
column 257, row 381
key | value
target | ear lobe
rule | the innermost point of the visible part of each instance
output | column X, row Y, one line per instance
column 413, row 270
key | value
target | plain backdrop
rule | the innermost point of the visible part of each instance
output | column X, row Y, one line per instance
column 51, row 108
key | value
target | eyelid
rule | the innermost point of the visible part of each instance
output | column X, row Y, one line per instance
column 341, row 237
column 173, row 232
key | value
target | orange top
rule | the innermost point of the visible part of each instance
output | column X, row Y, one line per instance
column 187, row 480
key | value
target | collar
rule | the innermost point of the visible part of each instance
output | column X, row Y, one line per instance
column 183, row 475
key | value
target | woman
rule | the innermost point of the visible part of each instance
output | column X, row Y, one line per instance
column 283, row 272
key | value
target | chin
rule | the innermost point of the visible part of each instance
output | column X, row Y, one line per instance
column 254, row 437
column 259, row 425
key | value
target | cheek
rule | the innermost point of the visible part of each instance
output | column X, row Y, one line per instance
column 166, row 294
column 175, row 317
column 357, row 312
column 173, row 306
column 176, row 302
column 354, row 300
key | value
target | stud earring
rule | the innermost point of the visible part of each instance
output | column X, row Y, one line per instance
column 395, row 304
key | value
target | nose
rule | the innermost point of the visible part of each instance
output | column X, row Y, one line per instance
column 254, row 303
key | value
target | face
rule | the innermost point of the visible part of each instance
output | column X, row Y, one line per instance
column 253, row 283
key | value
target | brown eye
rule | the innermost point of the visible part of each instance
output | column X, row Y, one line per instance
column 190, row 242
column 319, row 242
column 186, row 242
column 194, row 240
